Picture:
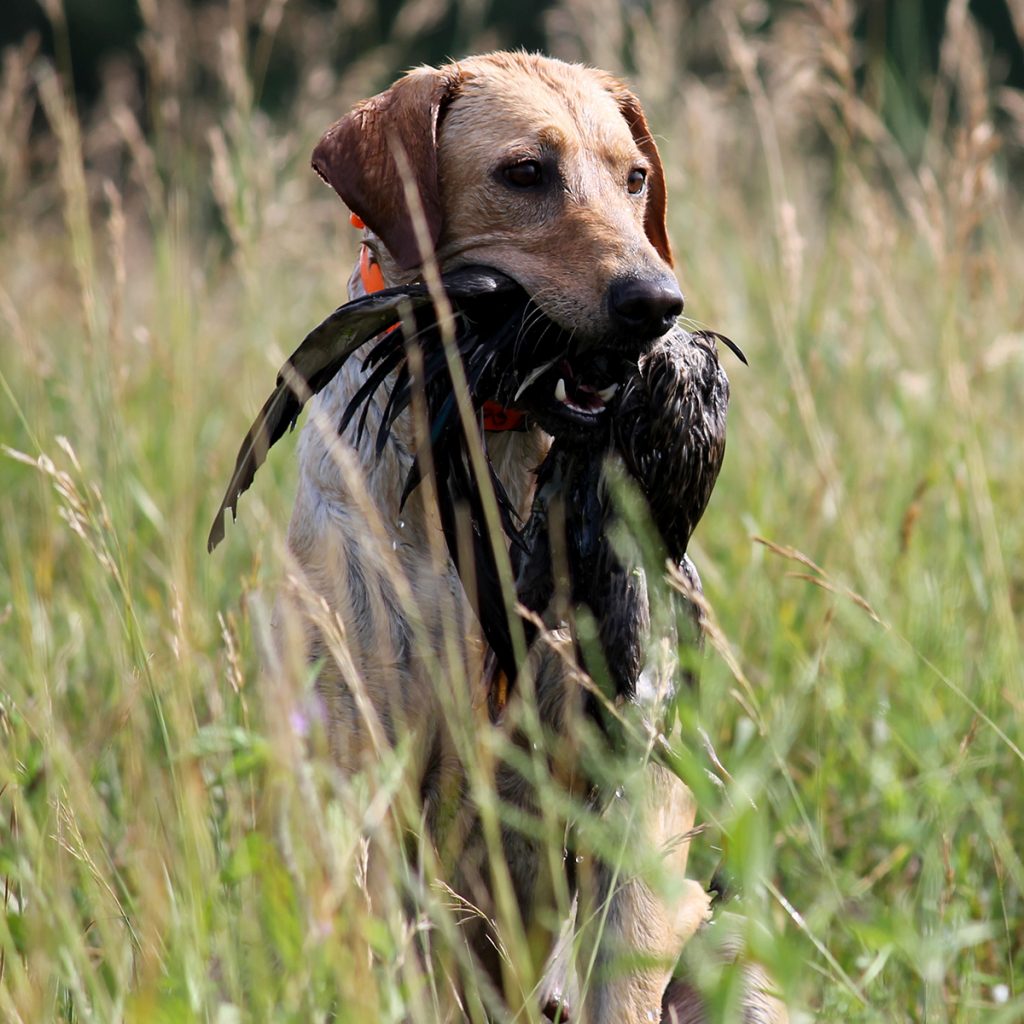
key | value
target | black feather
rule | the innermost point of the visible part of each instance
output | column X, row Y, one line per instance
column 667, row 425
column 324, row 351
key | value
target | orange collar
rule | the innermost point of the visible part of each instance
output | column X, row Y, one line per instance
column 496, row 417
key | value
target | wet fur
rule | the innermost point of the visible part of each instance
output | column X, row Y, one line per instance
column 450, row 124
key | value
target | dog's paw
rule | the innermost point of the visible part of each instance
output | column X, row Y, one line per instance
column 692, row 911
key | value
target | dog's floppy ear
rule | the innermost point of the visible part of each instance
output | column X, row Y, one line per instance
column 657, row 194
column 356, row 157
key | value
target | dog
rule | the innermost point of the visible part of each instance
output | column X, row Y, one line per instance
column 547, row 172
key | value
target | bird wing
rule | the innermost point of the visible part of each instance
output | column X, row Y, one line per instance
column 323, row 353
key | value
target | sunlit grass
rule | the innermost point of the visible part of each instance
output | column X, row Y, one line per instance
column 173, row 842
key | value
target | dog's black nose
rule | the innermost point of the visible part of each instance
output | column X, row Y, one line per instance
column 645, row 306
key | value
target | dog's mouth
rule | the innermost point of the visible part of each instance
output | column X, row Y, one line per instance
column 562, row 380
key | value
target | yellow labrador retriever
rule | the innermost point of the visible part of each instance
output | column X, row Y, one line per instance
column 548, row 172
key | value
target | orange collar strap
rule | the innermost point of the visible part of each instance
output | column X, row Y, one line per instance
column 496, row 417
column 369, row 271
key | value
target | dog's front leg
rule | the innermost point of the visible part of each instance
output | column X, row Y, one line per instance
column 633, row 928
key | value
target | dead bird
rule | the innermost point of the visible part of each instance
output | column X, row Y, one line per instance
column 665, row 422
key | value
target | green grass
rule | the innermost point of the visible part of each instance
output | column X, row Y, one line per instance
column 172, row 850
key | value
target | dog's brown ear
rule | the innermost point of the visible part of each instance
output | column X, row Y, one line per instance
column 657, row 194
column 356, row 157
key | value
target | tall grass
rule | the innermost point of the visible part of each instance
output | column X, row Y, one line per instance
column 174, row 844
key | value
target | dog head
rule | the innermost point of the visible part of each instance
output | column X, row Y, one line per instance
column 545, row 171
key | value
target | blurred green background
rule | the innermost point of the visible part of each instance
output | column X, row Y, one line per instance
column 904, row 35
column 845, row 202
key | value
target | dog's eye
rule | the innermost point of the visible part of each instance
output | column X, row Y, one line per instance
column 636, row 181
column 525, row 174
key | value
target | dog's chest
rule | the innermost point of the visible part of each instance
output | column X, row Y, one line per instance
column 381, row 565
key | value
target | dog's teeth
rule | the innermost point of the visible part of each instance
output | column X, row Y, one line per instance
column 560, row 393
column 608, row 393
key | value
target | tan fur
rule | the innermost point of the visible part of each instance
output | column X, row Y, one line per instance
column 453, row 127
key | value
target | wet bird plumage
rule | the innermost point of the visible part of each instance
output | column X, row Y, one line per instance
column 666, row 424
